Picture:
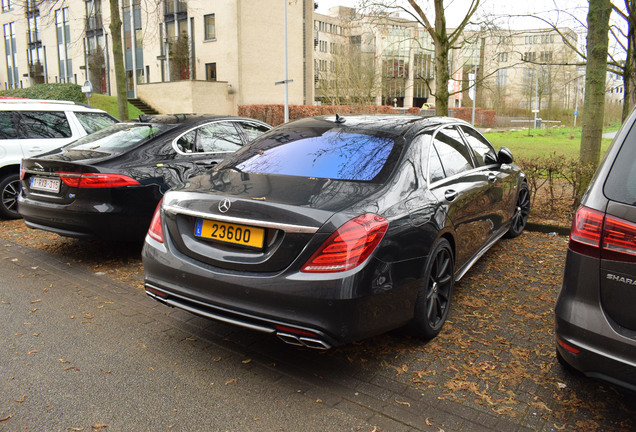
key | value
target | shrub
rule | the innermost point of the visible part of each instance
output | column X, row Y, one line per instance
column 66, row 91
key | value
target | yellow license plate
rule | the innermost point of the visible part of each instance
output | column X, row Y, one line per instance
column 230, row 233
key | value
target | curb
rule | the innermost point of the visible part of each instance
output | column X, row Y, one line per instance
column 547, row 228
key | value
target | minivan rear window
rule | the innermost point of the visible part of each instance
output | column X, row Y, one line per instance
column 621, row 181
column 336, row 155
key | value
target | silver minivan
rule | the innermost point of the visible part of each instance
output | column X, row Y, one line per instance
column 595, row 318
column 29, row 127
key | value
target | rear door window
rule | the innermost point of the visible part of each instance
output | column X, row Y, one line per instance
column 453, row 153
column 218, row 137
column 45, row 124
column 336, row 155
column 7, row 126
column 253, row 130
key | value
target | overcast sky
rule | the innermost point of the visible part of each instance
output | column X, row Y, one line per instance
column 456, row 9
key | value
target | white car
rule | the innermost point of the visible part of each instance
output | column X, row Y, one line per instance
column 29, row 127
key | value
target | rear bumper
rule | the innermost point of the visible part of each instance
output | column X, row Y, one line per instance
column 120, row 221
column 606, row 351
column 314, row 310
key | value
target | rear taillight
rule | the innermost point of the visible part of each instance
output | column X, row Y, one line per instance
column 156, row 231
column 619, row 239
column 96, row 180
column 349, row 246
column 603, row 236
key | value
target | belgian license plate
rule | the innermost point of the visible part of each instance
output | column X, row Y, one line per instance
column 230, row 233
column 45, row 184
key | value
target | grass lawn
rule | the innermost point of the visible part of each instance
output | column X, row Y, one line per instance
column 109, row 104
column 526, row 144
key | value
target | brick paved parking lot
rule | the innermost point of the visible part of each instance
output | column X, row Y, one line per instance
column 492, row 368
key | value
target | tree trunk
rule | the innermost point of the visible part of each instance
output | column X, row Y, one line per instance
column 595, row 76
column 118, row 58
column 629, row 71
column 442, row 48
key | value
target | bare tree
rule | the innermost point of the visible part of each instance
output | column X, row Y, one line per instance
column 444, row 40
column 118, row 58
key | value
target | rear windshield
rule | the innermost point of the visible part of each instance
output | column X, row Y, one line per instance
column 120, row 136
column 336, row 155
column 621, row 181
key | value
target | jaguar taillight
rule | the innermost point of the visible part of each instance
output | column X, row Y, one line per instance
column 96, row 180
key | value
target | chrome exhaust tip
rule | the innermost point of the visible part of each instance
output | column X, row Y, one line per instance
column 303, row 341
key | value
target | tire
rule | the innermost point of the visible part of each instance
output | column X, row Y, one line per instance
column 9, row 191
column 522, row 210
column 434, row 297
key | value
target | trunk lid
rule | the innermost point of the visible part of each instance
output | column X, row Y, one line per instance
column 280, row 219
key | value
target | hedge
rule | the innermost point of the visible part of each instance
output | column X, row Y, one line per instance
column 60, row 91
column 275, row 114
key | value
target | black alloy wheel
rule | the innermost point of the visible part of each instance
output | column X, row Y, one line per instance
column 434, row 299
column 9, row 191
column 522, row 210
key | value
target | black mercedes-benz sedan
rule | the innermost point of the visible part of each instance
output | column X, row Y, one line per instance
column 107, row 185
column 332, row 229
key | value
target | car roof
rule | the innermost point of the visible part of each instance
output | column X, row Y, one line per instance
column 396, row 124
column 188, row 118
column 44, row 105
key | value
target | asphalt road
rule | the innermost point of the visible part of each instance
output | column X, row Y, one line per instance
column 83, row 349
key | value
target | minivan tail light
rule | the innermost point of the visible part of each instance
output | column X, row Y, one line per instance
column 619, row 239
column 349, row 246
column 603, row 236
column 96, row 180
column 156, row 231
column 585, row 235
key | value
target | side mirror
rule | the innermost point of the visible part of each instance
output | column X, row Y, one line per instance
column 505, row 156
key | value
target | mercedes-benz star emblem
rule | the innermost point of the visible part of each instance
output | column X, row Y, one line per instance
column 224, row 205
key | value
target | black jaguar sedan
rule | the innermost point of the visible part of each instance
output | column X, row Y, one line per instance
column 106, row 185
column 328, row 230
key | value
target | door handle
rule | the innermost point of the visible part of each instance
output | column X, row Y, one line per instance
column 450, row 195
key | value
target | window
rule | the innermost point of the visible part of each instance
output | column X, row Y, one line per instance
column 210, row 27
column 253, row 130
column 337, row 155
column 6, row 5
column 502, row 78
column 45, row 124
column 92, row 122
column 452, row 151
column 545, row 56
column 502, row 57
column 529, row 56
column 11, row 59
column 481, row 147
column 210, row 71
column 7, row 128
column 64, row 45
column 218, row 137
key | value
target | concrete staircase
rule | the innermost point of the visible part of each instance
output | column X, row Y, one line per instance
column 143, row 107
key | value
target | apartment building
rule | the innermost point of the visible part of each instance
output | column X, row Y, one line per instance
column 529, row 69
column 217, row 55
column 379, row 59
